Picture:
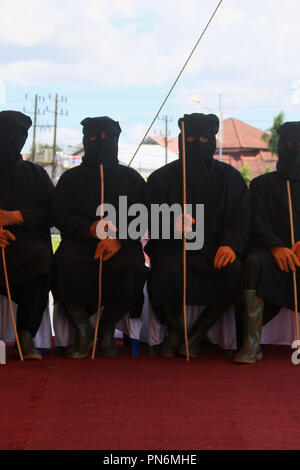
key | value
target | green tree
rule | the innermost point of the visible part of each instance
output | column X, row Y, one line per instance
column 267, row 169
column 270, row 136
column 246, row 173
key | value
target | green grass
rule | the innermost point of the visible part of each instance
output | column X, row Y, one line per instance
column 55, row 242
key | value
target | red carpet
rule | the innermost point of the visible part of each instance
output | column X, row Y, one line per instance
column 151, row 403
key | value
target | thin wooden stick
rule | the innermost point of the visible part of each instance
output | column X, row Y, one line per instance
column 184, row 240
column 294, row 273
column 10, row 305
column 100, row 268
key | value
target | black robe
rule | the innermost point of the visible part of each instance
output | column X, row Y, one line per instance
column 226, row 219
column 28, row 188
column 270, row 226
column 77, row 197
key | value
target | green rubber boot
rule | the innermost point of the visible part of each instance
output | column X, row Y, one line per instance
column 84, row 332
column 29, row 352
column 251, row 352
column 112, row 314
column 170, row 344
column 106, row 343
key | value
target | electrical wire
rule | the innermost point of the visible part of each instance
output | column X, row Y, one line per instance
column 174, row 84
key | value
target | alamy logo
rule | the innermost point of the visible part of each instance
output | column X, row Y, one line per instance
column 296, row 354
column 162, row 222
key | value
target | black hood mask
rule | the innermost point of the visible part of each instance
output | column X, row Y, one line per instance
column 100, row 150
column 288, row 149
column 199, row 155
column 13, row 134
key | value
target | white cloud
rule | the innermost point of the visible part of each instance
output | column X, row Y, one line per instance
column 294, row 99
column 133, row 134
column 229, row 16
column 249, row 43
column 29, row 22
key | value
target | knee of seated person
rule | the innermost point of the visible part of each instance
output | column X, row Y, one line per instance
column 38, row 251
column 235, row 267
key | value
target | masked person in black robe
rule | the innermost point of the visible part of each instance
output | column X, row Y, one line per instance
column 268, row 278
column 25, row 219
column 214, row 271
column 77, row 198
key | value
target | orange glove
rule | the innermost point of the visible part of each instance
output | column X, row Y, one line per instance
column 100, row 227
column 285, row 258
column 93, row 228
column 10, row 218
column 296, row 249
column 184, row 223
column 108, row 248
column 224, row 255
column 5, row 238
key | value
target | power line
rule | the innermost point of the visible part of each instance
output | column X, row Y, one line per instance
column 179, row 75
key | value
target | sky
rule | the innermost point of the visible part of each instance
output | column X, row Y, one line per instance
column 120, row 58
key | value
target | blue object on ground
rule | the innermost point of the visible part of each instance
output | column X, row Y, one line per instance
column 135, row 347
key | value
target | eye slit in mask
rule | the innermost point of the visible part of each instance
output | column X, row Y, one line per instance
column 291, row 144
column 102, row 136
column 201, row 139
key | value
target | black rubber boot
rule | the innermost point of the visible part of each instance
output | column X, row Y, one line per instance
column 84, row 332
column 169, row 346
column 207, row 319
column 29, row 351
column 112, row 314
column 251, row 352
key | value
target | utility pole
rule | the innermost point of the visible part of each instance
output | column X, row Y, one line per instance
column 221, row 126
column 34, row 128
column 35, row 113
column 54, row 162
column 62, row 113
column 165, row 118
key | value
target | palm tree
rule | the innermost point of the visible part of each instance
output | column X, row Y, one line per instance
column 271, row 136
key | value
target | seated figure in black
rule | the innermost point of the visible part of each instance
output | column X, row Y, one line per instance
column 268, row 281
column 25, row 218
column 214, row 270
column 76, row 262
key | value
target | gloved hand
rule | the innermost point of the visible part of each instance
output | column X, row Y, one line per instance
column 285, row 258
column 93, row 228
column 184, row 223
column 108, row 248
column 296, row 249
column 100, row 227
column 224, row 255
column 10, row 218
column 5, row 238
